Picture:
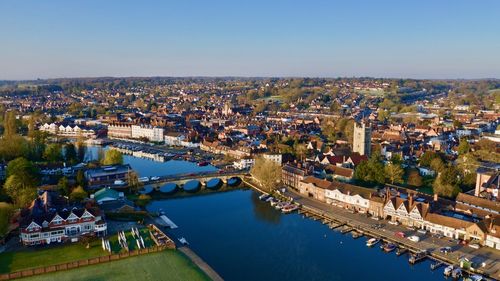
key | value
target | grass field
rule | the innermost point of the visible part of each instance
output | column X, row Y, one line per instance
column 166, row 265
column 37, row 257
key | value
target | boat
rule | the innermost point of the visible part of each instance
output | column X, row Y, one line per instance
column 372, row 241
column 269, row 199
column 183, row 241
column 280, row 205
column 289, row 208
column 456, row 273
column 143, row 179
column 274, row 202
column 447, row 271
column 475, row 277
column 203, row 163
column 389, row 247
column 263, row 197
column 401, row 251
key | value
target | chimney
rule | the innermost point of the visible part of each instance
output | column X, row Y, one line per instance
column 410, row 200
column 435, row 197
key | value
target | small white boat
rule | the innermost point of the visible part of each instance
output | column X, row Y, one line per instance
column 183, row 241
column 263, row 196
column 456, row 273
column 289, row 208
column 372, row 242
column 447, row 271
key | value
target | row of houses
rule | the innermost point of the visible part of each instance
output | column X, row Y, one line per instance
column 470, row 218
column 151, row 133
column 69, row 131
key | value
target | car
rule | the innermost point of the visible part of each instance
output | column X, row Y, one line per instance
column 422, row 231
column 474, row 246
column 393, row 222
column 445, row 250
column 400, row 234
column 414, row 238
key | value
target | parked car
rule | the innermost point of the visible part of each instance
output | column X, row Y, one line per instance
column 474, row 246
column 422, row 231
column 393, row 222
column 400, row 234
column 445, row 250
column 414, row 238
column 155, row 178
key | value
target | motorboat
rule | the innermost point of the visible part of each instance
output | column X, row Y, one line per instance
column 447, row 270
column 263, row 197
column 372, row 242
column 456, row 273
column 389, row 247
column 289, row 208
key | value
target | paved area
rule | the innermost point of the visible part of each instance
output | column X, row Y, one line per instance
column 201, row 264
column 489, row 258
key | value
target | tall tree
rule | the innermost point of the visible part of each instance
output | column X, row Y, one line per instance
column 394, row 173
column 112, row 157
column 267, row 173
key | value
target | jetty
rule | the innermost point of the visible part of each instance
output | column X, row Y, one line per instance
column 201, row 264
column 168, row 222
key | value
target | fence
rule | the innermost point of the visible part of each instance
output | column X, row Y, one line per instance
column 82, row 263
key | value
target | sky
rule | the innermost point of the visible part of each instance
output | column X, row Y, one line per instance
column 308, row 38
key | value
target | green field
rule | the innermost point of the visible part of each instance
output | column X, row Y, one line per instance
column 165, row 265
column 56, row 254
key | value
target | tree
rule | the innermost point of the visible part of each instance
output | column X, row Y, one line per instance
column 80, row 151
column 437, row 165
column 463, row 147
column 133, row 182
column 78, row 194
column 20, row 193
column 80, row 178
column 447, row 182
column 112, row 157
column 427, row 157
column 70, row 154
column 394, row 173
column 414, row 178
column 267, row 173
column 26, row 172
column 53, row 153
column 372, row 171
column 63, row 185
column 6, row 211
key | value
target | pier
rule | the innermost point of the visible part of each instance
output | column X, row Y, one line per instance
column 168, row 222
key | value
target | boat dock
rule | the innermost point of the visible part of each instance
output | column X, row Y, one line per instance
column 168, row 222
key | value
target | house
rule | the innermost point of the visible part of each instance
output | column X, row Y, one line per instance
column 106, row 194
column 348, row 196
column 291, row 175
column 406, row 209
column 314, row 187
column 487, row 183
column 50, row 220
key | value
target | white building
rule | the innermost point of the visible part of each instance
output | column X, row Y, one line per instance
column 148, row 132
column 273, row 157
column 244, row 163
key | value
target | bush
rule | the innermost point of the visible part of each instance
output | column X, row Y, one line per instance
column 6, row 211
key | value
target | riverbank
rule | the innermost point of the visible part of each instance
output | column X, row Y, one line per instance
column 329, row 214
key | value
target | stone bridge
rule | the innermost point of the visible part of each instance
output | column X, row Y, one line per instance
column 201, row 177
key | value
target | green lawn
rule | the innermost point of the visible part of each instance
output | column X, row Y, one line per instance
column 165, row 265
column 50, row 255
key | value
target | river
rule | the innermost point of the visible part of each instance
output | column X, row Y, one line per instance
column 243, row 238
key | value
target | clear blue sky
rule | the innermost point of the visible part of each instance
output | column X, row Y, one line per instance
column 382, row 38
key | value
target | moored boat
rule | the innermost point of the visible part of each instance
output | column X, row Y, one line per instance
column 289, row 208
column 263, row 197
column 447, row 271
column 372, row 242
column 389, row 247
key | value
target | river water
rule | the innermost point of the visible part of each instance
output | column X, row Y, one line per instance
column 243, row 238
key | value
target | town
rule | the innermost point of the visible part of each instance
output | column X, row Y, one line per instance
column 422, row 156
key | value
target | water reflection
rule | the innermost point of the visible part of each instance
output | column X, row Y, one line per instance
column 262, row 211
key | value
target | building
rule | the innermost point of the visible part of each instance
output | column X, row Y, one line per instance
column 362, row 139
column 50, row 220
column 292, row 175
column 487, row 183
column 148, row 132
column 348, row 196
column 277, row 158
column 107, row 175
column 244, row 163
column 120, row 131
